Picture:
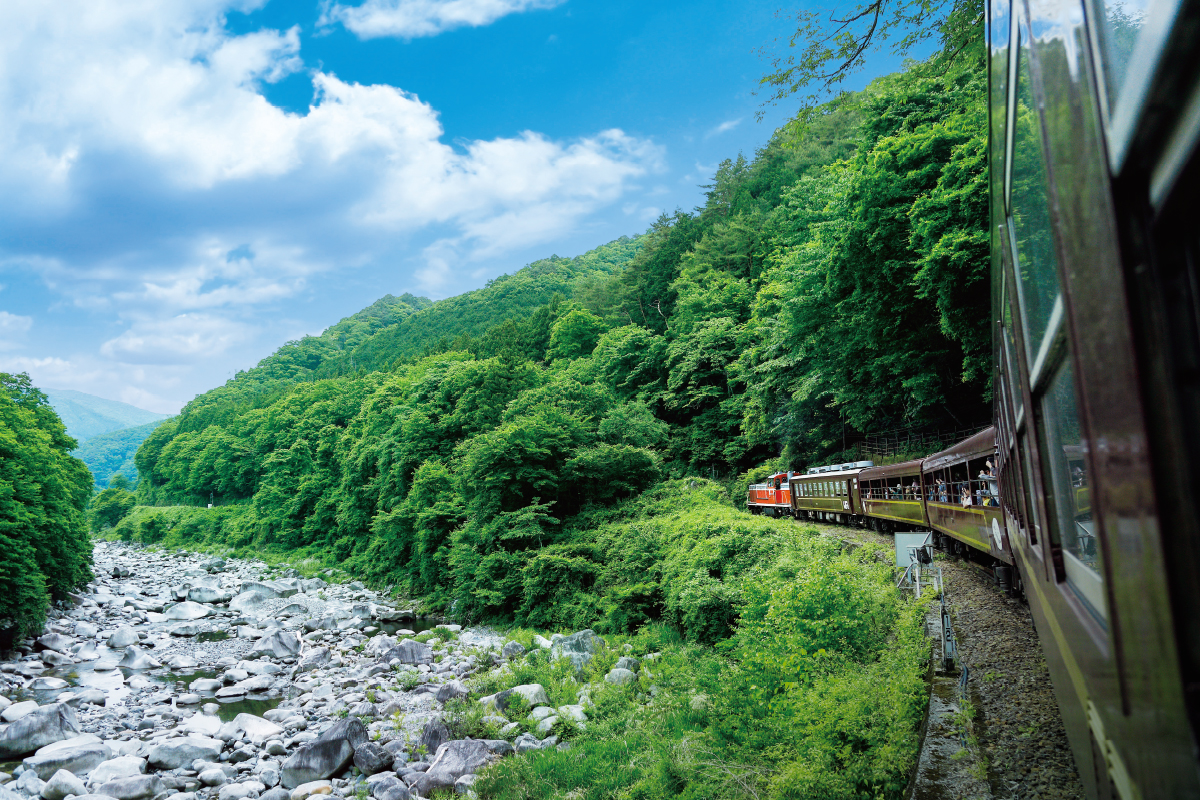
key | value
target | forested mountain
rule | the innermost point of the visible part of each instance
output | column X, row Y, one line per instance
column 109, row 454
column 44, row 548
column 836, row 282
column 86, row 415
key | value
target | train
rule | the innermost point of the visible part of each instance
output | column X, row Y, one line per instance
column 954, row 494
column 1085, row 491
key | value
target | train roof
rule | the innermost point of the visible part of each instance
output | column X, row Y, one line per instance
column 824, row 476
column 903, row 469
column 980, row 445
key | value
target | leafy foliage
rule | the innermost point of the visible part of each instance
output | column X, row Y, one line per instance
column 768, row 715
column 529, row 452
column 109, row 454
column 44, row 549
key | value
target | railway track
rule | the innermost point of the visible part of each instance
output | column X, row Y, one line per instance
column 1020, row 750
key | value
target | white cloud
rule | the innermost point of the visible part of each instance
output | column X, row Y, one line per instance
column 14, row 323
column 148, row 182
column 409, row 19
column 724, row 127
column 179, row 339
column 12, row 329
column 153, row 389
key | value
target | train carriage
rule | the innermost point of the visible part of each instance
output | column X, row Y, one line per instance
column 892, row 496
column 962, row 495
column 828, row 493
column 1094, row 119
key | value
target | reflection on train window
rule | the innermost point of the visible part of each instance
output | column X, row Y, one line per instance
column 998, row 31
column 1119, row 31
column 1009, row 346
column 1028, row 510
column 1036, row 262
column 1066, row 465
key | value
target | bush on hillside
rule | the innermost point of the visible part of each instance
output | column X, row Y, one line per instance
column 44, row 549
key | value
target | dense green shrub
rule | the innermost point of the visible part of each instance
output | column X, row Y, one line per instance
column 766, row 716
column 110, row 507
column 44, row 549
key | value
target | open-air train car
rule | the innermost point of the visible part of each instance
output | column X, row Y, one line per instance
column 962, row 495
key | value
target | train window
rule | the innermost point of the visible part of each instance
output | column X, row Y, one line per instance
column 1035, row 259
column 1121, row 22
column 1066, row 468
column 999, row 25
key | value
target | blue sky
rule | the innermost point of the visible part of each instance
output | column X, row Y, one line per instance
column 184, row 186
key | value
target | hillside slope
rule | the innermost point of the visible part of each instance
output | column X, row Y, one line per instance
column 396, row 329
column 86, row 415
column 109, row 454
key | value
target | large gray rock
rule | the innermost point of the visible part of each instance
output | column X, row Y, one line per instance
column 433, row 735
column 512, row 650
column 316, row 761
column 331, row 753
column 281, row 644
column 139, row 787
column 409, row 651
column 379, row 783
column 451, row 690
column 454, row 759
column 579, row 648
column 399, row 792
column 257, row 729
column 123, row 637
column 620, row 677
column 208, row 594
column 78, row 755
column 17, row 710
column 534, row 695
column 186, row 629
column 47, row 683
column 46, row 725
column 137, row 658
column 246, row 601
column 176, row 753
column 53, row 641
column 85, row 629
column 314, row 659
column 188, row 610
column 371, row 758
column 350, row 729
column 119, row 767
column 61, row 784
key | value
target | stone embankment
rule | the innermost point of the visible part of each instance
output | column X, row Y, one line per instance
column 179, row 677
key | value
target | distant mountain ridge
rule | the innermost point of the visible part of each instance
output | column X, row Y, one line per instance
column 109, row 454
column 86, row 415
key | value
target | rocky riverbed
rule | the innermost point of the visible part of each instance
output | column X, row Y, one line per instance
column 180, row 676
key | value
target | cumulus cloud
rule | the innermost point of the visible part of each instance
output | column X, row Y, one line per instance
column 410, row 19
column 179, row 339
column 14, row 323
column 144, row 175
column 724, row 127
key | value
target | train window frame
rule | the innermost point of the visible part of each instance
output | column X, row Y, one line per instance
column 1088, row 583
column 1122, row 116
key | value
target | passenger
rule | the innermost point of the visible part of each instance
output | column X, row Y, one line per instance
column 966, row 496
column 916, row 489
column 898, row 492
column 942, row 493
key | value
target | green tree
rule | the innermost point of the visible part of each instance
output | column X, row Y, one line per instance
column 44, row 549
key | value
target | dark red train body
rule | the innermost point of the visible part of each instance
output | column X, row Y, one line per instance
column 1086, row 490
